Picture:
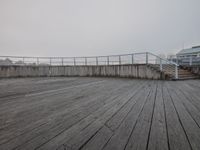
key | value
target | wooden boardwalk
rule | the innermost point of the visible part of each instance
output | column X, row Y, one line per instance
column 99, row 114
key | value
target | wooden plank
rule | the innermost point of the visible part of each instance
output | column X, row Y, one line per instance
column 116, row 120
column 177, row 137
column 158, row 134
column 26, row 115
column 99, row 140
column 190, row 127
column 76, row 140
column 106, row 135
column 123, row 132
column 56, row 126
column 99, row 115
column 189, row 106
column 139, row 136
column 189, row 94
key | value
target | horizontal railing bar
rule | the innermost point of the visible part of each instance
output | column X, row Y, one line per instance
column 73, row 57
column 163, row 59
column 123, row 59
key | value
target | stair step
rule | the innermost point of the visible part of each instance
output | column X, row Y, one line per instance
column 183, row 74
column 186, row 74
column 187, row 78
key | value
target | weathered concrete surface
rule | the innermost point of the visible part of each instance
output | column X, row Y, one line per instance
column 133, row 71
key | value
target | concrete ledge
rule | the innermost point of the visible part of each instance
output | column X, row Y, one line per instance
column 128, row 71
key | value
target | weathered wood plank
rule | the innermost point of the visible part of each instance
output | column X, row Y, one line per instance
column 99, row 140
column 189, row 106
column 123, row 132
column 75, row 138
column 177, row 137
column 52, row 128
column 116, row 120
column 99, row 113
column 139, row 136
column 53, row 108
column 190, row 127
column 158, row 134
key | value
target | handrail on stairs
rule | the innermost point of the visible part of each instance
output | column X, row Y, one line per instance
column 167, row 61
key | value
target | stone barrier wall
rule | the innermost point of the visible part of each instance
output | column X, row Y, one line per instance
column 132, row 71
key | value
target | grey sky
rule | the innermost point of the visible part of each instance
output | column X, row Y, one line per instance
column 97, row 27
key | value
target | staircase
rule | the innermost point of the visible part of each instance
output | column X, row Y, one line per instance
column 185, row 74
column 169, row 71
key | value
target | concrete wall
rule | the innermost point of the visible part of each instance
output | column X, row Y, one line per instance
column 134, row 71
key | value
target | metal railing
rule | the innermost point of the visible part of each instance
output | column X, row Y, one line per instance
column 189, row 61
column 164, row 65
column 125, row 59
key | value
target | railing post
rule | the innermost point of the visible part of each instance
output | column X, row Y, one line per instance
column 86, row 61
column 190, row 60
column 132, row 59
column 119, row 60
column 37, row 61
column 96, row 61
column 107, row 60
column 74, row 61
column 146, row 57
column 161, row 67
column 176, row 72
column 23, row 60
column 50, row 61
column 62, row 61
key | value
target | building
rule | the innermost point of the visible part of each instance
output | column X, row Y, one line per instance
column 190, row 52
column 190, row 56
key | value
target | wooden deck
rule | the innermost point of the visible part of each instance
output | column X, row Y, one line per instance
column 99, row 114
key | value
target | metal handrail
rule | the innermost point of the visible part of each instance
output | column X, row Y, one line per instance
column 164, row 59
column 133, row 58
column 74, row 57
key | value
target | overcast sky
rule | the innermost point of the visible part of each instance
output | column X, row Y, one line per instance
column 97, row 27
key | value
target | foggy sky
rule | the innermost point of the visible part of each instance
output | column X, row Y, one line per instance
column 97, row 27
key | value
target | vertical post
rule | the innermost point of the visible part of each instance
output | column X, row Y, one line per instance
column 62, row 60
column 50, row 61
column 37, row 61
column 74, row 61
column 107, row 60
column 190, row 60
column 146, row 57
column 86, row 61
column 119, row 60
column 161, row 67
column 23, row 60
column 132, row 58
column 97, row 61
column 176, row 72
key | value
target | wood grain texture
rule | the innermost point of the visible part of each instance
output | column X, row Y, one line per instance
column 83, row 113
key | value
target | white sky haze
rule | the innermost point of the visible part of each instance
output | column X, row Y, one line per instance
column 97, row 27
